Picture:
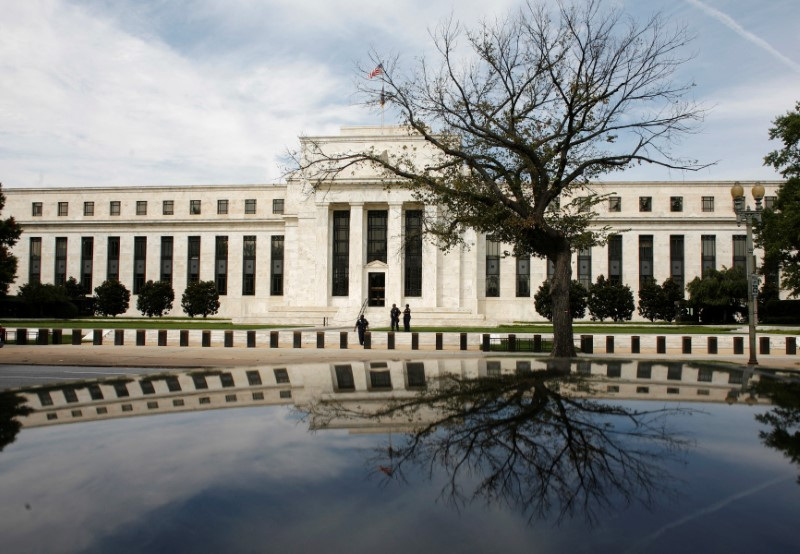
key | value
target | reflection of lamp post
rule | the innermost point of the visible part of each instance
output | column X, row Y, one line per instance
column 744, row 213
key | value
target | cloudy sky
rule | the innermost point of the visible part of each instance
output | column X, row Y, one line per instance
column 155, row 92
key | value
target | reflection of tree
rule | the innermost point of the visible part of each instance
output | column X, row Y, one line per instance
column 530, row 441
column 12, row 405
column 784, row 419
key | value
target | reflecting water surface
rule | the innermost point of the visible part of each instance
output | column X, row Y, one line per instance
column 478, row 455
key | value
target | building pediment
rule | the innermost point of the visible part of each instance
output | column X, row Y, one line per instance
column 377, row 264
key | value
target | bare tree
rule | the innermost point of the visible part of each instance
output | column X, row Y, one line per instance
column 519, row 112
column 530, row 441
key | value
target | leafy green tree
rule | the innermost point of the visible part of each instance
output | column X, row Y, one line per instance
column 155, row 298
column 719, row 296
column 663, row 302
column 518, row 113
column 200, row 298
column 9, row 234
column 779, row 231
column 111, row 298
column 543, row 300
column 73, row 289
column 610, row 300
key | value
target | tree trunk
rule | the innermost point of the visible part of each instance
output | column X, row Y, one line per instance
column 563, row 343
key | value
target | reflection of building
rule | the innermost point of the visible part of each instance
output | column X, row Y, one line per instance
column 359, row 384
column 282, row 253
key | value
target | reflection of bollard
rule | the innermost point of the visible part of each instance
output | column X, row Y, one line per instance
column 712, row 345
column 206, row 340
column 273, row 339
column 661, row 345
column 43, row 336
column 610, row 344
column 686, row 345
column 297, row 339
column 162, row 337
column 320, row 339
column 537, row 343
column 485, row 342
column 367, row 340
column 636, row 345
column 251, row 339
column 184, row 337
column 414, row 341
column 139, row 337
column 763, row 345
column 97, row 337
column 343, row 340
column 390, row 340
column 439, row 341
column 738, row 345
column 587, row 344
column 77, row 335
column 791, row 346
column 463, row 341
column 228, row 339
column 119, row 337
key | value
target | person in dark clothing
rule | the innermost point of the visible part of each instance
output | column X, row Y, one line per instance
column 407, row 319
column 394, row 316
column 362, row 325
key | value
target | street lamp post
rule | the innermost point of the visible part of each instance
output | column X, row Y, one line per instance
column 744, row 213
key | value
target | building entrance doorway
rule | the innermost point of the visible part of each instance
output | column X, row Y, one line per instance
column 377, row 289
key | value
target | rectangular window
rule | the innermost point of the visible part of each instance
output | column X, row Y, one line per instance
column 340, row 253
column 676, row 203
column 614, row 204
column 492, row 267
column 277, row 206
column 193, row 260
column 380, row 380
column 523, row 276
column 615, row 259
column 63, row 209
column 344, row 378
column 676, row 259
column 61, row 261
column 645, row 203
column 167, row 249
column 276, row 266
column 222, row 207
column 412, row 274
column 708, row 255
column 139, row 262
column 168, row 207
column 585, row 267
column 253, row 378
column 249, row 265
column 112, row 259
column 769, row 202
column 36, row 209
column 376, row 235
column 194, row 207
column 35, row 261
column 281, row 375
column 645, row 260
column 740, row 252
column 87, row 264
column 250, row 206
column 551, row 269
column 221, row 264
column 415, row 375
column 114, row 207
column 708, row 203
column 141, row 207
column 88, row 208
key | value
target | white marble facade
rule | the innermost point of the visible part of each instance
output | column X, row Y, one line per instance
column 453, row 284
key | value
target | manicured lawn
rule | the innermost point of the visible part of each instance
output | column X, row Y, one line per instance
column 129, row 323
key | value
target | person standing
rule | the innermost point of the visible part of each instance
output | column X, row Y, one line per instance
column 394, row 316
column 361, row 326
column 407, row 319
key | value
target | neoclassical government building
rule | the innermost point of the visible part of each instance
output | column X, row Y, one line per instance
column 289, row 253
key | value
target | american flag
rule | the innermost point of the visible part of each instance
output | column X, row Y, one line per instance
column 377, row 71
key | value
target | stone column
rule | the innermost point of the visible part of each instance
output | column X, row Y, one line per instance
column 357, row 240
column 395, row 255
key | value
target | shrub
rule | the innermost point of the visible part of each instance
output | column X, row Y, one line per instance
column 200, row 298
column 664, row 302
column 111, row 298
column 610, row 300
column 155, row 298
